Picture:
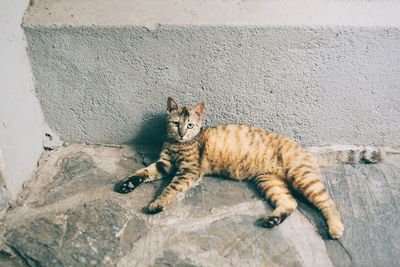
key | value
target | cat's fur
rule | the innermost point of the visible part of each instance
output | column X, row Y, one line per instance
column 277, row 164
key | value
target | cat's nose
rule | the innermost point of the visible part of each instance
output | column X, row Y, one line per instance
column 182, row 132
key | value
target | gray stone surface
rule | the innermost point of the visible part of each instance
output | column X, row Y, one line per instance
column 368, row 196
column 213, row 224
column 296, row 68
column 85, row 235
column 77, row 171
column 4, row 200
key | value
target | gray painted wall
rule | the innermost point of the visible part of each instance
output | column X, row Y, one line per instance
column 322, row 85
column 21, row 119
column 323, row 72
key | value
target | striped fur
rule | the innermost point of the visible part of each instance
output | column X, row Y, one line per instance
column 275, row 163
column 349, row 154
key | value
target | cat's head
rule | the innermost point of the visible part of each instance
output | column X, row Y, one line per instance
column 183, row 123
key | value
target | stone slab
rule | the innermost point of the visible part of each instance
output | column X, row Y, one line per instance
column 4, row 200
column 86, row 235
column 214, row 223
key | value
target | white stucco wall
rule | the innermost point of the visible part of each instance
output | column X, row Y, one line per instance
column 21, row 119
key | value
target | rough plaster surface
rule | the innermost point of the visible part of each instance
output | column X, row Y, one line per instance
column 106, row 80
column 21, row 119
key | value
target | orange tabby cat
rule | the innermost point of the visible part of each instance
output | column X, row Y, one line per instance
column 276, row 163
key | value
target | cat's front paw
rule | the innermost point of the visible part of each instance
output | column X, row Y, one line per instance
column 129, row 184
column 272, row 221
column 156, row 207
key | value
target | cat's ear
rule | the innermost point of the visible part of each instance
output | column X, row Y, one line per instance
column 198, row 109
column 171, row 105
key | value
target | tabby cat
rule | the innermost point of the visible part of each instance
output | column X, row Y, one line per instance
column 276, row 163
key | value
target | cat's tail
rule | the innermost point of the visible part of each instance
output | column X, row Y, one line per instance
column 348, row 154
column 305, row 177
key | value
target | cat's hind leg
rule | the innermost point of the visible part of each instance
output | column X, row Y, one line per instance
column 278, row 193
column 307, row 180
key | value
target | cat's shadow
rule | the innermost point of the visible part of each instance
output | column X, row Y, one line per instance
column 313, row 215
column 151, row 132
column 150, row 136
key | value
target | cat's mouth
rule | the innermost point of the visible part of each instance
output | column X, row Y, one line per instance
column 181, row 140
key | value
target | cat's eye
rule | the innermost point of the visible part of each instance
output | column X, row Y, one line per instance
column 175, row 123
column 190, row 125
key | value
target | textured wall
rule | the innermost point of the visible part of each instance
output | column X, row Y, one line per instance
column 319, row 85
column 99, row 81
column 21, row 120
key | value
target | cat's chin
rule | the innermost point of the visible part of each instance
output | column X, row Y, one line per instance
column 180, row 141
column 183, row 141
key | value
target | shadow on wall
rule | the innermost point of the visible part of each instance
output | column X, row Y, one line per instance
column 151, row 132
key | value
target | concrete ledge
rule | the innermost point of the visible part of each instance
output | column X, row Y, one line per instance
column 212, row 12
column 103, row 77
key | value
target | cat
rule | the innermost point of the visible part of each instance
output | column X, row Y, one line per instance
column 277, row 164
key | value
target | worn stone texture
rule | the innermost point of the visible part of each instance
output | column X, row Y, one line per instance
column 4, row 200
column 4, row 195
column 292, row 67
column 213, row 224
column 82, row 236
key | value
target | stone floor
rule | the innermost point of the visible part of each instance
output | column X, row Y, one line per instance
column 69, row 215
